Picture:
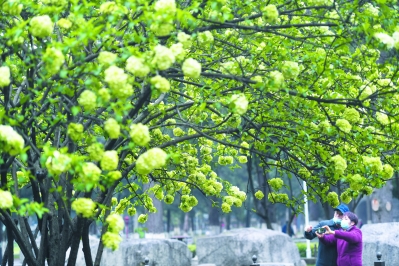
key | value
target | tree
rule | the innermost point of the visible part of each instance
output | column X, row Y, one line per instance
column 102, row 97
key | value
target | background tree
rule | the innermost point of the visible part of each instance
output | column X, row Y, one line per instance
column 98, row 98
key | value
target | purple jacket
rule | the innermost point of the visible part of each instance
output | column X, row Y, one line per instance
column 349, row 246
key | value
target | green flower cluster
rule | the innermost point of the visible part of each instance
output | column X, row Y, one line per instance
column 238, row 104
column 339, row 164
column 106, row 58
column 351, row 115
column 187, row 203
column 10, row 141
column 346, row 197
column 290, row 69
column 163, row 58
column 6, row 201
column 332, row 199
column 191, row 68
column 5, row 76
column 140, row 134
column 158, row 192
column 58, row 163
column 205, row 37
column 344, row 125
column 137, row 67
column 41, row 26
column 373, row 164
column 90, row 173
column 75, row 131
column 276, row 183
column 277, row 197
column 259, row 195
column 117, row 80
column 84, row 207
column 160, row 83
column 225, row 160
column 96, row 151
column 12, row 7
column 270, row 13
column 142, row 218
column 53, row 60
column 150, row 160
column 356, row 182
column 111, row 240
column 87, row 99
column 112, row 128
column 387, row 171
column 109, row 160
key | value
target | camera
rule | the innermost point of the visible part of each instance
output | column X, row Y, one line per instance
column 320, row 230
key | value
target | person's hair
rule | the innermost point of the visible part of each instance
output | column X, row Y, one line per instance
column 352, row 217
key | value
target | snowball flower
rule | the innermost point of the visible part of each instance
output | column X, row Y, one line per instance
column 142, row 218
column 96, row 151
column 87, row 99
column 276, row 183
column 75, row 131
column 344, row 125
column 239, row 104
column 166, row 6
column 270, row 13
column 140, row 134
column 178, row 51
column 53, row 60
column 387, row 171
column 106, row 58
column 5, row 76
column 109, row 161
column 111, row 240
column 11, row 7
column 351, row 115
column 84, row 207
column 90, row 173
column 226, row 207
column 382, row 118
column 191, row 68
column 112, row 128
column 259, row 195
column 385, row 39
column 115, row 223
column 339, row 164
column 160, row 83
column 150, row 160
column 205, row 37
column 163, row 58
column 10, row 140
column 58, row 163
column 184, row 39
column 290, row 69
column 373, row 163
column 6, row 200
column 64, row 23
column 115, row 77
column 41, row 26
column 332, row 199
column 136, row 66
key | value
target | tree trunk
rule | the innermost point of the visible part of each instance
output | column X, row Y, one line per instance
column 381, row 204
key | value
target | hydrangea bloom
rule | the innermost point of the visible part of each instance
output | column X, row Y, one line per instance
column 136, row 66
column 373, row 163
column 242, row 159
column 111, row 240
column 64, row 23
column 332, row 199
column 58, row 163
column 6, row 201
column 5, row 76
column 382, row 118
column 53, row 60
column 270, row 13
column 178, row 132
column 387, row 171
column 167, row 6
column 90, row 173
column 344, row 125
column 160, row 83
column 84, row 207
column 184, row 39
column 352, row 115
column 140, row 134
column 104, row 94
column 96, row 151
column 259, row 195
column 11, row 7
column 115, row 77
column 178, row 51
column 290, row 69
column 339, row 164
column 276, row 183
column 169, row 199
column 87, row 99
column 115, row 223
column 205, row 37
column 75, row 131
column 277, row 197
column 106, row 58
column 239, row 104
column 151, row 159
column 163, row 58
column 142, row 218
column 41, row 26
column 112, row 128
column 10, row 140
column 226, row 208
column 346, row 197
column 131, row 211
column 114, row 175
column 109, row 161
column 191, row 68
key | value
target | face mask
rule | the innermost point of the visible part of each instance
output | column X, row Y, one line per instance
column 345, row 224
column 336, row 220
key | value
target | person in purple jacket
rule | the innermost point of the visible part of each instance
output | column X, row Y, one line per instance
column 348, row 240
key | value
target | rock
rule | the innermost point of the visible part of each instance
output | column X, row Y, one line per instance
column 303, row 263
column 236, row 247
column 160, row 252
column 382, row 237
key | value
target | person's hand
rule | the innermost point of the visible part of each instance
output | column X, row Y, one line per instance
column 308, row 228
column 319, row 235
column 328, row 230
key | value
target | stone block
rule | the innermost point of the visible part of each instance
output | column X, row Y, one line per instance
column 382, row 237
column 236, row 247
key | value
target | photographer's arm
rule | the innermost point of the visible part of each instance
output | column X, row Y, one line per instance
column 352, row 236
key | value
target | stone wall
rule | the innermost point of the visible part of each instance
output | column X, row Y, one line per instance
column 236, row 247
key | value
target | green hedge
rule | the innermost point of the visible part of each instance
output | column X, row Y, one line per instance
column 302, row 249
